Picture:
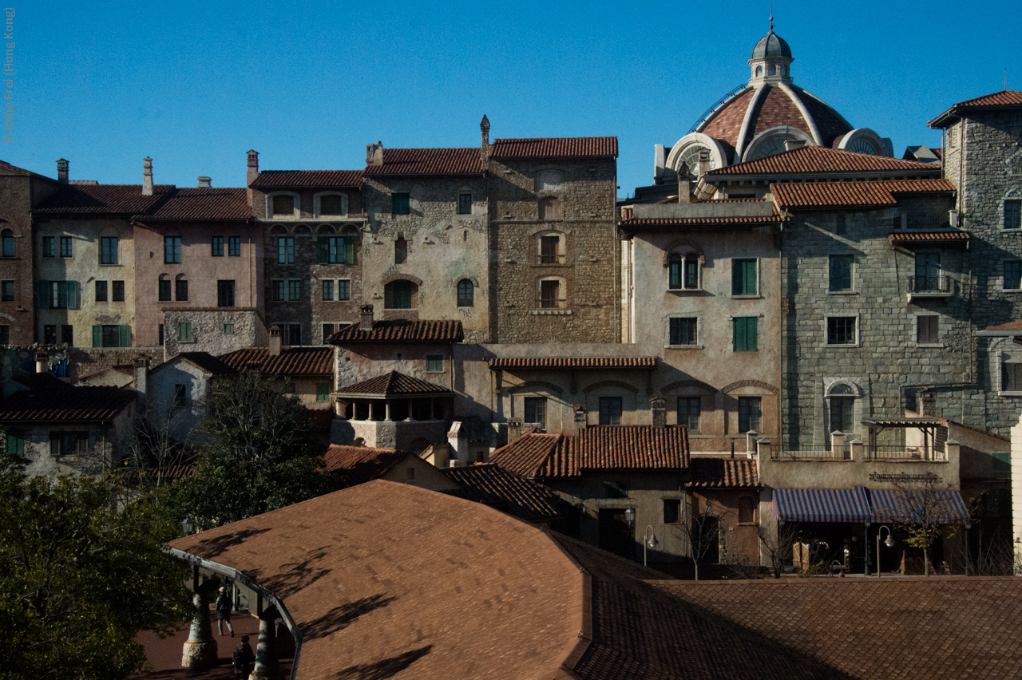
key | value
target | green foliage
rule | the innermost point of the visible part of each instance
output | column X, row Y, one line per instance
column 259, row 457
column 78, row 580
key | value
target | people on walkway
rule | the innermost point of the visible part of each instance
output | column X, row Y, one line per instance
column 243, row 659
column 223, row 611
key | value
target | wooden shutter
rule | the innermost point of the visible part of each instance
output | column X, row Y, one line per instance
column 349, row 250
column 97, row 336
column 323, row 250
column 124, row 335
column 745, row 329
column 73, row 295
column 42, row 294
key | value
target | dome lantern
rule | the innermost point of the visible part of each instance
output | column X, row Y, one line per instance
column 770, row 59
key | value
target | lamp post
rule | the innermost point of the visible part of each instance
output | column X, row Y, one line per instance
column 651, row 542
column 889, row 543
column 187, row 525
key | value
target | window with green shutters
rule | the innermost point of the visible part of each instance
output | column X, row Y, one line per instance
column 746, row 332
column 840, row 273
column 322, row 392
column 111, row 336
column 401, row 204
column 184, row 332
column 58, row 295
column 335, row 250
column 16, row 441
column 744, row 278
column 398, row 295
column 434, row 363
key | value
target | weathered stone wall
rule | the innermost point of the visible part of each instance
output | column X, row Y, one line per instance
column 18, row 194
column 86, row 361
column 208, row 330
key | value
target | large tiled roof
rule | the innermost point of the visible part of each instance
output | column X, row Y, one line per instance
column 870, row 195
column 427, row 162
column 8, row 170
column 817, row 160
column 1006, row 99
column 205, row 361
column 268, row 179
column 1010, row 326
column 392, row 384
column 944, row 236
column 571, row 362
column 400, row 331
column 78, row 404
column 504, row 490
column 204, row 203
column 724, row 473
column 121, row 199
column 361, row 464
column 292, row 361
column 669, row 223
column 554, row 147
column 600, row 447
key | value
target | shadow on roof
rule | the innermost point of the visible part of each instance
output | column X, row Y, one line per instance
column 342, row 616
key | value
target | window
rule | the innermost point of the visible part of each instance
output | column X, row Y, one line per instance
column 683, row 272
column 277, row 290
column 294, row 335
column 49, row 335
column 49, row 246
column 58, row 295
column 225, row 293
column 746, row 331
column 7, row 291
column 549, row 250
column 16, row 441
column 332, row 204
column 841, row 414
column 161, row 334
column 233, row 246
column 322, row 392
column 672, row 510
column 336, row 250
column 294, row 290
column 683, row 332
column 550, row 208
column 100, row 291
column 749, row 414
column 184, row 332
column 181, row 290
column 610, row 410
column 434, row 363
column 218, row 246
column 464, row 203
column 466, row 293
column 108, row 254
column 400, row 250
column 111, row 336
column 118, row 291
column 401, row 204
column 344, row 289
column 928, row 276
column 1012, row 378
column 228, row 329
column 180, row 395
column 398, row 295
column 65, row 246
column 328, row 290
column 771, row 69
column 688, row 412
column 535, row 411
column 841, row 330
column 282, row 205
column 285, row 250
column 744, row 279
column 8, row 242
column 840, row 273
column 328, row 330
column 746, row 510
column 172, row 249
column 164, row 290
column 1012, row 214
column 1013, row 275
column 550, row 294
column 67, row 335
column 927, row 330
column 69, row 443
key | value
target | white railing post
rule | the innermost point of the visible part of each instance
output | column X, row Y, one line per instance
column 858, row 450
column 837, row 445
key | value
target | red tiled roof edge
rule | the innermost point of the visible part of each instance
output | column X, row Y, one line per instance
column 554, row 147
column 349, row 179
column 818, row 159
column 506, row 363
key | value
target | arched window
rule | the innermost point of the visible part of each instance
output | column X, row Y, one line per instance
column 771, row 70
column 400, row 294
column 746, row 510
column 8, row 238
column 466, row 293
column 282, row 205
column 549, row 208
column 400, row 250
column 683, row 272
column 328, row 205
column 759, row 71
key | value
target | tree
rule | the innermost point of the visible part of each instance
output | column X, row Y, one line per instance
column 258, row 458
column 777, row 545
column 921, row 512
column 79, row 580
column 703, row 532
column 151, row 460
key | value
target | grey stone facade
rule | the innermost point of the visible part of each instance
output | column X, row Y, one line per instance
column 209, row 328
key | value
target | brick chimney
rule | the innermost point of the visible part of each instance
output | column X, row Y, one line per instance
column 374, row 154
column 275, row 341
column 484, row 150
column 366, row 323
column 62, row 176
column 141, row 365
column 205, row 182
column 658, row 407
column 253, row 172
column 580, row 417
column 514, row 429
column 684, row 188
column 147, row 176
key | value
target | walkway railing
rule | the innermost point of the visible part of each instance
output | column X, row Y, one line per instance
column 885, row 453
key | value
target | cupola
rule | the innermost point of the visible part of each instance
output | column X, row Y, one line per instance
column 771, row 59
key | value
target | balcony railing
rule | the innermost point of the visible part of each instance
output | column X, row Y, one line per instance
column 929, row 285
column 841, row 453
column 908, row 453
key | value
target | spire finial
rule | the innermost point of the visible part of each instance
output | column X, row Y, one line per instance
column 771, row 16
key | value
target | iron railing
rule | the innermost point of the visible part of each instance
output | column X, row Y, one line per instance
column 930, row 284
column 716, row 105
column 901, row 452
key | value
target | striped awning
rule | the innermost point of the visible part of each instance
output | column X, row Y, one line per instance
column 822, row 505
column 916, row 506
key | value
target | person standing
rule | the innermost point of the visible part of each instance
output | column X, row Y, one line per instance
column 243, row 659
column 223, row 611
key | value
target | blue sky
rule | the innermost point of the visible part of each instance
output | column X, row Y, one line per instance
column 195, row 85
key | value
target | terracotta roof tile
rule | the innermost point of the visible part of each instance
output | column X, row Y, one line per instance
column 1004, row 98
column 267, row 179
column 205, row 361
column 91, row 404
column 927, row 236
column 571, row 362
column 400, row 331
column 776, row 109
column 702, row 222
column 427, row 162
column 828, row 121
column 125, row 199
column 724, row 473
column 204, row 203
column 726, row 123
column 817, row 160
column 292, row 362
column 879, row 194
column 1010, row 326
column 361, row 464
column 393, row 383
column 554, row 147
column 502, row 489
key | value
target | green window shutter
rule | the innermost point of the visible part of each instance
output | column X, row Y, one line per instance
column 42, row 294
column 73, row 295
column 323, row 250
column 743, row 277
column 97, row 336
column 349, row 250
column 322, row 391
column 746, row 332
column 751, row 333
column 739, row 331
column 124, row 335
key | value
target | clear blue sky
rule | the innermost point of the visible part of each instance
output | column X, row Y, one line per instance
column 197, row 84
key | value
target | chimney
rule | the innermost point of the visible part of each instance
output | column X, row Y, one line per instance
column 929, row 402
column 484, row 150
column 274, row 341
column 141, row 365
column 704, row 162
column 514, row 429
column 42, row 362
column 205, row 182
column 792, row 144
column 580, row 417
column 684, row 188
column 253, row 172
column 366, row 324
column 374, row 154
column 147, row 177
column 62, row 170
column 658, row 405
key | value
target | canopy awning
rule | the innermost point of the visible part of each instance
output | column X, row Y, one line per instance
column 919, row 506
column 822, row 505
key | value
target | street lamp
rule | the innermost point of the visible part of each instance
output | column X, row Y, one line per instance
column 187, row 525
column 889, row 543
column 629, row 515
column 651, row 542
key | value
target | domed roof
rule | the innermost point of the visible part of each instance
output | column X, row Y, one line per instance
column 771, row 45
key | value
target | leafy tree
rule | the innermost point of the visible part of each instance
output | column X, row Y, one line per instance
column 79, row 580
column 259, row 456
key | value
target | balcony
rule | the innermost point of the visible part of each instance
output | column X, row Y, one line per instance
column 932, row 454
column 929, row 287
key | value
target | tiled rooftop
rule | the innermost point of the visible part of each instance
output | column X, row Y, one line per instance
column 818, row 160
column 361, row 464
column 554, row 147
column 1010, row 326
column 656, row 223
column 79, row 404
column 875, row 195
column 206, row 362
column 427, row 162
column 724, row 473
column 123, row 199
column 292, row 361
column 1006, row 98
column 504, row 490
column 204, row 203
column 928, row 236
column 400, row 331
column 271, row 179
column 393, row 384
column 571, row 363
